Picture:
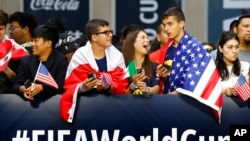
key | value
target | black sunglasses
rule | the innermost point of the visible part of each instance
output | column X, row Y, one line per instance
column 106, row 32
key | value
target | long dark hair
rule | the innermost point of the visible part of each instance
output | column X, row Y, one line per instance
column 220, row 64
column 128, row 51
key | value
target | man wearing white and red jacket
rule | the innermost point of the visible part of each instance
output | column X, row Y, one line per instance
column 10, row 55
column 96, row 68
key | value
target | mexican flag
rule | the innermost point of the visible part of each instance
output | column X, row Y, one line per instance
column 130, row 70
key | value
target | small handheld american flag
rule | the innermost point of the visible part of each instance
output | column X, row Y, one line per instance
column 242, row 88
column 45, row 77
column 106, row 79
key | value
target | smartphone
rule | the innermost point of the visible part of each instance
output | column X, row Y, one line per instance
column 27, row 83
column 140, row 70
column 92, row 75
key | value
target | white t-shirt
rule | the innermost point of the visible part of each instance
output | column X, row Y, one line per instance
column 229, row 83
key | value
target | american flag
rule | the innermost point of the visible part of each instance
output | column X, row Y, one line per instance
column 45, row 77
column 194, row 73
column 106, row 79
column 242, row 88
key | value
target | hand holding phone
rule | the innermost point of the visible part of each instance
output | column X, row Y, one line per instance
column 140, row 70
column 92, row 76
column 166, row 67
column 27, row 84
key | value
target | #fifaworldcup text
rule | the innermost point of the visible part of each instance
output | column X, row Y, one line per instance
column 106, row 135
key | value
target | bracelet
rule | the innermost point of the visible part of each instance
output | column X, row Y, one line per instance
column 149, row 93
column 149, row 90
column 133, row 87
column 81, row 88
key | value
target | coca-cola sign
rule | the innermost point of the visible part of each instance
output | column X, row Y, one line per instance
column 73, row 14
column 57, row 5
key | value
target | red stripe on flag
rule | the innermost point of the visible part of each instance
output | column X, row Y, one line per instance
column 46, row 80
column 243, row 91
column 219, row 101
column 242, row 88
column 211, row 85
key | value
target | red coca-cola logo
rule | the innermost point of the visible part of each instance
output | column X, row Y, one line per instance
column 57, row 5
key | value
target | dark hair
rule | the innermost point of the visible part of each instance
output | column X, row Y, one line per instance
column 241, row 18
column 174, row 11
column 57, row 24
column 210, row 44
column 3, row 18
column 232, row 25
column 81, row 41
column 93, row 26
column 48, row 33
column 156, row 44
column 116, row 41
column 129, row 28
column 128, row 51
column 24, row 19
column 220, row 64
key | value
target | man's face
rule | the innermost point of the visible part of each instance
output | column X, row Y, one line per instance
column 243, row 30
column 2, row 32
column 16, row 32
column 172, row 27
column 104, row 36
column 40, row 46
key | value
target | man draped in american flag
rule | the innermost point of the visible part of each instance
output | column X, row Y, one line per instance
column 193, row 71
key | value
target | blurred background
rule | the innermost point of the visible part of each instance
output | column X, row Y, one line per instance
column 205, row 19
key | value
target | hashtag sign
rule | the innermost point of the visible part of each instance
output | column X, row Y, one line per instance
column 21, row 138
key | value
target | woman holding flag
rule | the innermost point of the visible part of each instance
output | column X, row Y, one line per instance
column 228, row 63
column 143, row 79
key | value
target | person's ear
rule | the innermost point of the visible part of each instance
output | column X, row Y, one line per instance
column 94, row 37
column 48, row 43
column 220, row 49
column 182, row 24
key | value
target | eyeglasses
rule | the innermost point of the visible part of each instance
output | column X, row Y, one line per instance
column 13, row 28
column 106, row 32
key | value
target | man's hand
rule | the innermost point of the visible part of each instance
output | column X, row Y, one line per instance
column 89, row 83
column 162, row 71
column 33, row 90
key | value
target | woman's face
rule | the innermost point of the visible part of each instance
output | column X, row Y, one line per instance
column 142, row 43
column 230, row 51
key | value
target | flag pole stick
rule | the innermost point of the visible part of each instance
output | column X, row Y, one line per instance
column 37, row 71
